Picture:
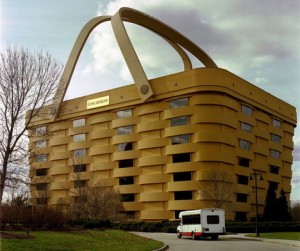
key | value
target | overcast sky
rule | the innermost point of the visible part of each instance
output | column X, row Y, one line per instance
column 257, row 40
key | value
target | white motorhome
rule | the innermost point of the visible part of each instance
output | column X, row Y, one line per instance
column 209, row 222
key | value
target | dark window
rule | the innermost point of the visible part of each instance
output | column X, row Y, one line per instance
column 183, row 195
column 184, row 120
column 78, row 122
column 125, row 163
column 246, row 127
column 41, row 172
column 179, row 103
column 126, row 180
column 128, row 214
column 79, row 153
column 275, row 154
column 276, row 123
column 41, row 186
column 243, row 180
column 240, row 216
column 274, row 169
column 275, row 138
column 180, row 139
column 241, row 197
column 181, row 157
column 124, row 114
column 244, row 162
column 124, row 130
column 42, row 201
column 245, row 144
column 129, row 197
column 177, row 212
column 191, row 219
column 247, row 110
column 125, row 147
column 273, row 185
column 79, row 183
column 182, row 176
column 80, row 168
column 213, row 219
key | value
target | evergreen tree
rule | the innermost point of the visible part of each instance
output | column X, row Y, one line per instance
column 270, row 212
column 283, row 213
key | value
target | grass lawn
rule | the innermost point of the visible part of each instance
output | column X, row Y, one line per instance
column 280, row 235
column 108, row 240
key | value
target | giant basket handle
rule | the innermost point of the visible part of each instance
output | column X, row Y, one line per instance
column 173, row 37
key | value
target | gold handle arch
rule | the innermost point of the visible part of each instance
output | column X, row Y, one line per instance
column 173, row 37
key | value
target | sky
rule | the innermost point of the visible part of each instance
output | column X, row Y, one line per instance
column 257, row 40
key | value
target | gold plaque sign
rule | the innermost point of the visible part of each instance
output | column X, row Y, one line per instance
column 97, row 102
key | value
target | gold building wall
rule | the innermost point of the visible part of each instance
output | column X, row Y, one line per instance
column 214, row 110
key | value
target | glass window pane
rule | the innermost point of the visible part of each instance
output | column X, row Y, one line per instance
column 276, row 123
column 40, row 130
column 124, row 130
column 275, row 138
column 247, row 110
column 79, row 137
column 124, row 114
column 275, row 154
column 125, row 147
column 79, row 153
column 245, row 144
column 184, row 120
column 244, row 162
column 41, row 172
column 41, row 158
column 246, row 127
column 182, row 176
column 80, row 168
column 78, row 122
column 180, row 139
column 183, row 195
column 179, row 103
column 41, row 143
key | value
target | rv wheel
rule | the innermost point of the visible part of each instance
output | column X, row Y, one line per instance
column 178, row 235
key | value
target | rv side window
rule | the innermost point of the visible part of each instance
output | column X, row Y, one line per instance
column 191, row 219
column 213, row 219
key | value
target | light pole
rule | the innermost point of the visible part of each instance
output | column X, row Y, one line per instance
column 254, row 176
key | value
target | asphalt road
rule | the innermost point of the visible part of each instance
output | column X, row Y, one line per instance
column 225, row 243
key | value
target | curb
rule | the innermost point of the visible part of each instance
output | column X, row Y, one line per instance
column 164, row 247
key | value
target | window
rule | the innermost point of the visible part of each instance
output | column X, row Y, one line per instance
column 240, row 216
column 41, row 143
column 126, row 180
column 184, row 120
column 79, row 153
column 246, row 127
column 41, row 186
column 247, row 110
column 129, row 197
column 275, row 154
column 179, row 103
column 241, row 197
column 245, row 144
column 40, row 130
column 275, row 138
column 180, row 139
column 191, row 219
column 79, row 199
column 243, row 180
column 244, row 162
column 79, row 183
column 41, row 158
column 124, row 114
column 274, row 169
column 213, row 219
column 177, row 212
column 125, row 147
column 125, row 163
column 124, row 130
column 80, row 168
column 181, row 157
column 182, row 176
column 273, row 185
column 276, row 123
column 183, row 195
column 79, row 137
column 41, row 172
column 78, row 122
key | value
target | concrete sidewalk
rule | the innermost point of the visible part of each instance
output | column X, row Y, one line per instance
column 243, row 236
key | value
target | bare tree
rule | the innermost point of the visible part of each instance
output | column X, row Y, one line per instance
column 217, row 188
column 28, row 82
